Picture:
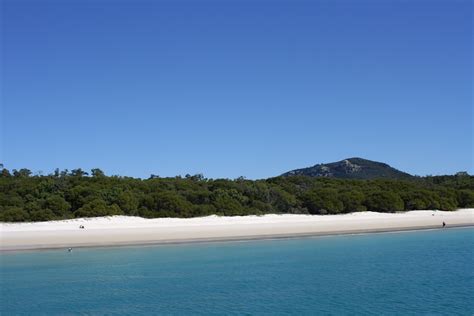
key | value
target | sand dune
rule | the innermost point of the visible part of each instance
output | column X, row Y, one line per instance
column 124, row 230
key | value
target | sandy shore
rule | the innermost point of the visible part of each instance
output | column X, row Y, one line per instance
column 123, row 230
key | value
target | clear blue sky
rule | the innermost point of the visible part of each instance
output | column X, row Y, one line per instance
column 236, row 88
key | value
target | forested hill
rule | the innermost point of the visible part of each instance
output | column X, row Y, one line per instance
column 65, row 195
column 352, row 168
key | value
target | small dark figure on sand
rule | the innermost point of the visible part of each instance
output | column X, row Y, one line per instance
column 444, row 224
column 81, row 227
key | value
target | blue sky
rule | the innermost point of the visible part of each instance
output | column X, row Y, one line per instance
column 236, row 88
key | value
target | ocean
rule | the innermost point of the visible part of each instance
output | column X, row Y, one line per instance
column 420, row 272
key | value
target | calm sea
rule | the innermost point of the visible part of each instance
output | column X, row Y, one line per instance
column 424, row 272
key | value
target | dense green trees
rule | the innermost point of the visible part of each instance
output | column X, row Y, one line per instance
column 465, row 198
column 323, row 201
column 65, row 194
column 97, row 207
column 384, row 201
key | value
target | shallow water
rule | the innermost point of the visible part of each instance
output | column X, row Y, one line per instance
column 423, row 272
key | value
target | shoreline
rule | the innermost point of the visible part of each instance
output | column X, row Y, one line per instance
column 236, row 239
column 119, row 231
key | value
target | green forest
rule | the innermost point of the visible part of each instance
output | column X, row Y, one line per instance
column 71, row 194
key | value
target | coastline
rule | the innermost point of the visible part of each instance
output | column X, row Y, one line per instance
column 127, row 231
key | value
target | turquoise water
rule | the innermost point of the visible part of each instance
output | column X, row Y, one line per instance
column 425, row 272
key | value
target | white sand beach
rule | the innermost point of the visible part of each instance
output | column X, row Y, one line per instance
column 124, row 230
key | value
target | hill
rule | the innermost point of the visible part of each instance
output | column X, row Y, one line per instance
column 352, row 168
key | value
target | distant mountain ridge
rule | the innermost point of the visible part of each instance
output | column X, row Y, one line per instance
column 352, row 168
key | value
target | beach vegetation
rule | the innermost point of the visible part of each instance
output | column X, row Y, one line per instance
column 77, row 193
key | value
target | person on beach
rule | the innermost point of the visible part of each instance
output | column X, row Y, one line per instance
column 444, row 224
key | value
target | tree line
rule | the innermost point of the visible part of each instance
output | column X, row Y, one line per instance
column 77, row 193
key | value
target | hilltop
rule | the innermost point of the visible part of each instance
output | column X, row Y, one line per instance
column 352, row 168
